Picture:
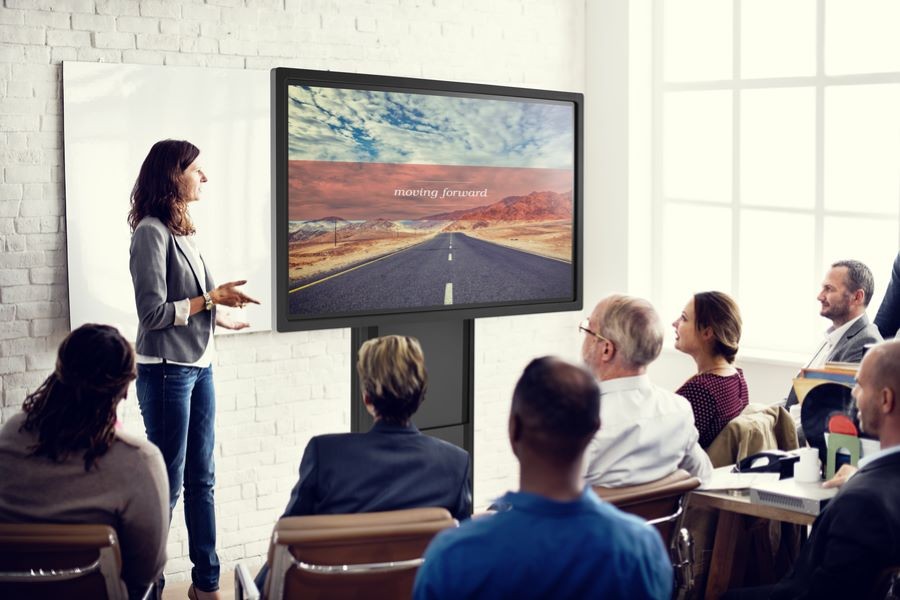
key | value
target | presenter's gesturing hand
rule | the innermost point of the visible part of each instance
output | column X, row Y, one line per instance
column 227, row 294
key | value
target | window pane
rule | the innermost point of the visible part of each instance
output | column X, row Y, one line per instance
column 778, row 145
column 697, row 145
column 698, row 40
column 696, row 254
column 872, row 241
column 862, row 148
column 777, row 291
column 861, row 36
column 778, row 38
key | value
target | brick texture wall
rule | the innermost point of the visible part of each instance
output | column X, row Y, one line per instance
column 274, row 391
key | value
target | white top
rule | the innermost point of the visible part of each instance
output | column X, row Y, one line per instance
column 646, row 433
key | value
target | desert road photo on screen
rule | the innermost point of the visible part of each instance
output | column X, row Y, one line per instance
column 402, row 201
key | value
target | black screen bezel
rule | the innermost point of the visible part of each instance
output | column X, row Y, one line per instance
column 282, row 78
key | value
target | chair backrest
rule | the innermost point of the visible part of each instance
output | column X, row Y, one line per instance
column 756, row 429
column 367, row 555
column 659, row 502
column 40, row 561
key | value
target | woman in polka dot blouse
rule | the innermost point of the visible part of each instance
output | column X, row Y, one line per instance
column 709, row 330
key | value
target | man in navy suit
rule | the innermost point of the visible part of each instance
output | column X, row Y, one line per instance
column 857, row 537
column 392, row 466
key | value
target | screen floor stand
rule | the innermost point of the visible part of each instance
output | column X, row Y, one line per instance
column 448, row 410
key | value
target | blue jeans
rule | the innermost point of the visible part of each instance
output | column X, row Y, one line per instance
column 178, row 404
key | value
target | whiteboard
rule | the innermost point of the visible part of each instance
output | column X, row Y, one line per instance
column 112, row 115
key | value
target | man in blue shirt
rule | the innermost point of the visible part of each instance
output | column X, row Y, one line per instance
column 558, row 539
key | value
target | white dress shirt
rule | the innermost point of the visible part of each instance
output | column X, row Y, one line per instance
column 646, row 433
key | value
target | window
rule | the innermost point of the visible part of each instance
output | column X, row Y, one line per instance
column 774, row 151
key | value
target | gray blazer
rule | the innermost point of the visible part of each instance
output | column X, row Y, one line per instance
column 163, row 273
column 850, row 348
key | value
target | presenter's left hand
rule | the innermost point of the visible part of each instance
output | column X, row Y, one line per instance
column 226, row 320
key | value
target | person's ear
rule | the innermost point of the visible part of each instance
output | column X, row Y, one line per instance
column 707, row 334
column 858, row 297
column 367, row 401
column 515, row 428
column 609, row 351
column 887, row 400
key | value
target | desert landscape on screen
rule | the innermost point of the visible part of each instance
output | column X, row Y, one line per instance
column 343, row 214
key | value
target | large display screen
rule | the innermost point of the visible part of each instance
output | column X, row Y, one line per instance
column 406, row 197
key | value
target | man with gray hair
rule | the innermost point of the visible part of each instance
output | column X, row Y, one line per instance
column 846, row 292
column 647, row 431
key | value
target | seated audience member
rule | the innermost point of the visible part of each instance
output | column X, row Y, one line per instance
column 846, row 292
column 709, row 330
column 855, row 537
column 557, row 539
column 647, row 432
column 393, row 466
column 63, row 460
column 888, row 317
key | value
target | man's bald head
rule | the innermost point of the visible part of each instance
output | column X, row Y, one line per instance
column 885, row 364
column 877, row 392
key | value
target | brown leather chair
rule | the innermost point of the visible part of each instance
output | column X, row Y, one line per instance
column 660, row 503
column 40, row 561
column 367, row 555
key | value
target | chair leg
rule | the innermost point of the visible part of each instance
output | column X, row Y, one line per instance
column 683, row 551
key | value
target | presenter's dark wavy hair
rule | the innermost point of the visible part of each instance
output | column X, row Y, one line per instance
column 392, row 373
column 74, row 410
column 157, row 192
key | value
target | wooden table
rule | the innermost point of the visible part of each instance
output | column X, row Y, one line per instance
column 732, row 508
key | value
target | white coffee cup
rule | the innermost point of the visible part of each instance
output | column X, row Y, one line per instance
column 807, row 469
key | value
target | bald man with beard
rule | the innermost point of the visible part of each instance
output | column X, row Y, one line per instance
column 857, row 536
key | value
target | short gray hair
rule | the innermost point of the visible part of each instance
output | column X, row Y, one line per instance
column 859, row 277
column 633, row 325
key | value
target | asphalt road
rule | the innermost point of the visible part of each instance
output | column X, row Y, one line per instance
column 477, row 272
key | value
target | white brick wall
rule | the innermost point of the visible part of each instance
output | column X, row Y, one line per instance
column 274, row 390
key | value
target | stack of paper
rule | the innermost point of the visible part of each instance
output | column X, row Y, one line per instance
column 724, row 479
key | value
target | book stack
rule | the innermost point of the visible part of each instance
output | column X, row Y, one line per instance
column 833, row 372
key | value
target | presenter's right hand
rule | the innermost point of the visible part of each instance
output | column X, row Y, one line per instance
column 227, row 294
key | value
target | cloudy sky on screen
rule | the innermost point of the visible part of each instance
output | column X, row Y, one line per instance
column 331, row 124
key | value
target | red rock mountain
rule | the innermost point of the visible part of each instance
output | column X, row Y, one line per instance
column 536, row 206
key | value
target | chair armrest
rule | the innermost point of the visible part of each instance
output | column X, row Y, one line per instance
column 244, row 587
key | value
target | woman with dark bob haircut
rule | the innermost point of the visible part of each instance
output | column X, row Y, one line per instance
column 176, row 304
column 63, row 460
column 709, row 330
